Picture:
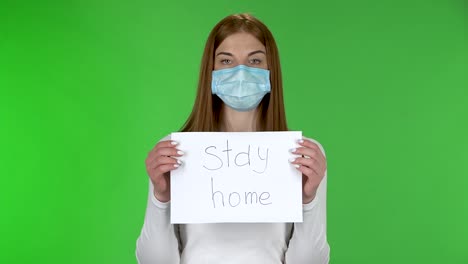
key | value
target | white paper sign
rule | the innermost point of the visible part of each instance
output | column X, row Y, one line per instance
column 236, row 177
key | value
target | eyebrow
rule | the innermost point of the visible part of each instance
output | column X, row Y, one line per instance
column 255, row 52
column 230, row 54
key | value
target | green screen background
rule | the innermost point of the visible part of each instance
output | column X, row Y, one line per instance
column 88, row 88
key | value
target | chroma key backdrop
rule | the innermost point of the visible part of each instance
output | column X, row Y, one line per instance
column 87, row 88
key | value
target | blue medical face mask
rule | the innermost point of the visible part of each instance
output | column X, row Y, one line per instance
column 241, row 87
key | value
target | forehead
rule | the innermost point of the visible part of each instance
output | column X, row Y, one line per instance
column 240, row 42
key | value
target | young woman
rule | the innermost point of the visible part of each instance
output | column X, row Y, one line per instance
column 241, row 50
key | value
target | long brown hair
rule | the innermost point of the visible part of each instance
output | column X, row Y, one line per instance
column 206, row 111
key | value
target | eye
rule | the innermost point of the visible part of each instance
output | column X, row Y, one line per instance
column 226, row 61
column 255, row 61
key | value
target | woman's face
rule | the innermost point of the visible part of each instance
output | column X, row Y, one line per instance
column 240, row 48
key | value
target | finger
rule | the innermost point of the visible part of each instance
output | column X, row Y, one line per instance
column 309, row 162
column 168, row 160
column 309, row 153
column 164, row 144
column 308, row 172
column 161, row 169
column 161, row 160
column 169, row 151
column 309, row 144
column 317, row 164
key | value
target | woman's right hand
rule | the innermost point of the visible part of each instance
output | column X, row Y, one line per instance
column 160, row 161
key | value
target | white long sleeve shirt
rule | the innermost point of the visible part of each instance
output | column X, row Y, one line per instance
column 161, row 242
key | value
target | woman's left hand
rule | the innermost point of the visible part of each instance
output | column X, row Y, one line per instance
column 312, row 164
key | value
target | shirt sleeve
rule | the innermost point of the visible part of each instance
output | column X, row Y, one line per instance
column 159, row 239
column 308, row 243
